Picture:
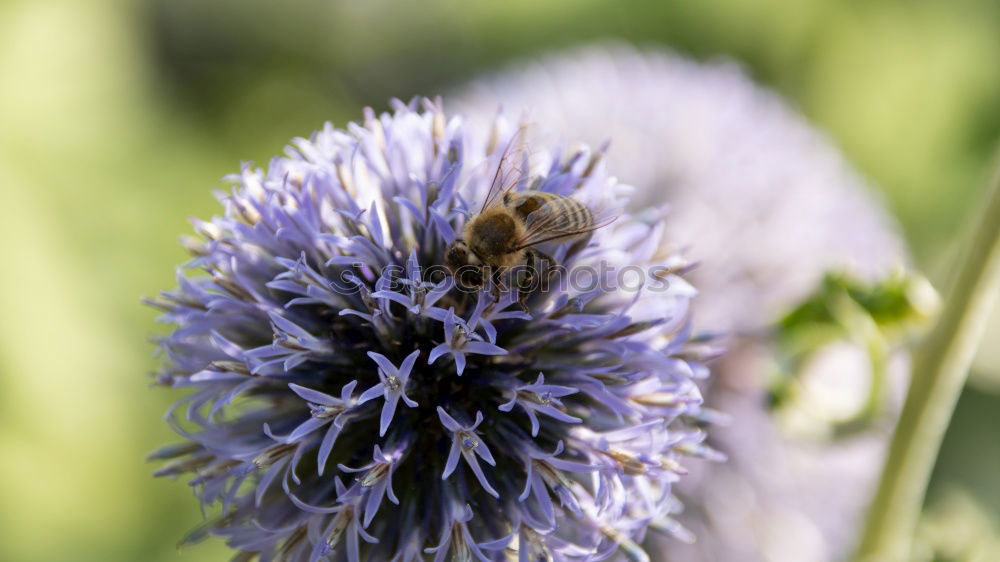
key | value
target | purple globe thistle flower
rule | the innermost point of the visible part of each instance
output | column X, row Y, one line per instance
column 768, row 206
column 334, row 368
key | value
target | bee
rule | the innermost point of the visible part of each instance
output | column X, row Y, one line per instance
column 501, row 238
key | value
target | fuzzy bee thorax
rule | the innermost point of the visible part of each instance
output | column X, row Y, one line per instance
column 493, row 234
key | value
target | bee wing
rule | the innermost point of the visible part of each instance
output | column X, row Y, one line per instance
column 547, row 224
column 512, row 169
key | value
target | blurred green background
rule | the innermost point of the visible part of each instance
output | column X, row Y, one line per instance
column 118, row 117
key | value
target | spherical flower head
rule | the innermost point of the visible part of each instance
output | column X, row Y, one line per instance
column 348, row 400
column 767, row 206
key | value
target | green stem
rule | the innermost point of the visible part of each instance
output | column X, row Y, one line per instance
column 940, row 366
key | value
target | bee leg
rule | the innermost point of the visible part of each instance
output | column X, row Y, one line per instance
column 525, row 278
column 496, row 282
column 534, row 278
column 543, row 267
column 522, row 299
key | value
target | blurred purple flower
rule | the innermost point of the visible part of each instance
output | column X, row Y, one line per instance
column 767, row 207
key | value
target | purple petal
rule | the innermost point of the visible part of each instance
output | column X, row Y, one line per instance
column 473, row 545
column 442, row 546
column 372, row 393
column 484, row 348
column 393, row 296
column 407, row 366
column 348, row 311
column 305, row 428
column 448, row 421
column 439, row 290
column 289, row 327
column 412, row 266
column 466, row 514
column 388, row 411
column 268, row 478
column 346, row 468
column 478, row 471
column 304, row 506
column 491, row 332
column 411, row 207
column 529, row 468
column 368, row 538
column 409, row 402
column 383, row 363
column 508, row 405
column 436, row 313
column 571, row 466
column 482, row 302
column 374, row 224
column 389, row 490
column 498, row 544
column 544, row 501
column 327, row 445
column 443, row 227
column 534, row 421
column 449, row 324
column 484, row 451
column 452, row 462
column 438, row 351
column 347, row 390
column 353, row 548
column 373, row 501
column 557, row 414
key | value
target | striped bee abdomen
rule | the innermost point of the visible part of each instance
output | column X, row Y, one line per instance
column 546, row 215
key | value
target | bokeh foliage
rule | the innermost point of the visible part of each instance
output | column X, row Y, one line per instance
column 117, row 117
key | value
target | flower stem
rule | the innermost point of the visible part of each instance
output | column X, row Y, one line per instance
column 940, row 367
